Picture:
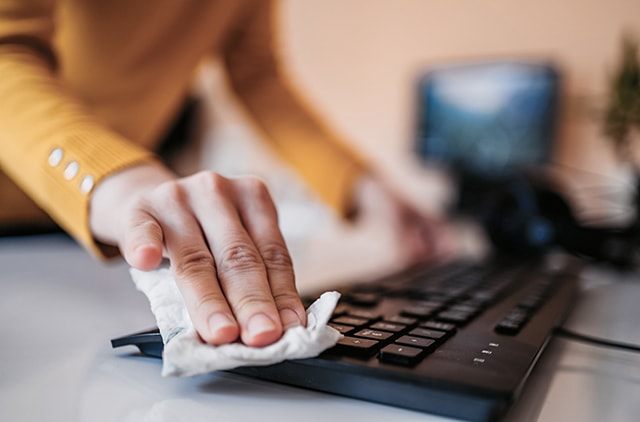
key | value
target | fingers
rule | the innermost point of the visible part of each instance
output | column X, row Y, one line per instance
column 195, row 272
column 240, row 269
column 427, row 239
column 221, row 236
column 442, row 238
column 423, row 230
column 165, row 219
column 419, row 237
column 229, row 258
column 142, row 244
column 261, row 221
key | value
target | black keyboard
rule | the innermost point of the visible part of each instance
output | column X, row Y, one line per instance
column 457, row 340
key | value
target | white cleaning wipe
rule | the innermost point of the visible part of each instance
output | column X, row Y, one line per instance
column 185, row 354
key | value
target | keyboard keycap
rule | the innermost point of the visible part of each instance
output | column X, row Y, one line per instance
column 423, row 343
column 400, row 355
column 517, row 315
column 508, row 327
column 440, row 326
column 359, row 347
column 343, row 329
column 373, row 334
column 367, row 300
column 388, row 326
column 363, row 313
column 456, row 317
column 428, row 333
column 401, row 319
column 419, row 311
column 349, row 320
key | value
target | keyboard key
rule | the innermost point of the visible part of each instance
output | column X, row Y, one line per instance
column 513, row 322
column 388, row 326
column 484, row 295
column 428, row 333
column 423, row 343
column 456, row 317
column 474, row 302
column 363, row 313
column 400, row 355
column 358, row 347
column 362, row 299
column 349, row 320
column 343, row 329
column 508, row 327
column 340, row 309
column 473, row 310
column 440, row 326
column 419, row 311
column 373, row 334
column 401, row 319
column 517, row 315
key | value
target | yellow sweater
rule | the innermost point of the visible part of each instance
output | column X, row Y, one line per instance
column 88, row 87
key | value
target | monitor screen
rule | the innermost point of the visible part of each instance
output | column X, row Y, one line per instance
column 487, row 119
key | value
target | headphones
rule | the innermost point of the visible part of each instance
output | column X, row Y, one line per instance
column 525, row 215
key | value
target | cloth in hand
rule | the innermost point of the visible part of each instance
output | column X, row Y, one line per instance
column 185, row 354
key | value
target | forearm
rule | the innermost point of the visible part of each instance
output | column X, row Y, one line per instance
column 301, row 139
column 37, row 117
column 287, row 122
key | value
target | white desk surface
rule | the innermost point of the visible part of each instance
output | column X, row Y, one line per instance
column 59, row 308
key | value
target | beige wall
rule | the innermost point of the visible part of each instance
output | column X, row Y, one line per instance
column 357, row 59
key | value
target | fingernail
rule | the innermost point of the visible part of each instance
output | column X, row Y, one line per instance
column 218, row 323
column 289, row 318
column 260, row 324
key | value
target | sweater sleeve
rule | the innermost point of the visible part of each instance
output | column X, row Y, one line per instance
column 51, row 146
column 296, row 133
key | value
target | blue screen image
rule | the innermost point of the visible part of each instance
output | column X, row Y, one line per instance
column 487, row 119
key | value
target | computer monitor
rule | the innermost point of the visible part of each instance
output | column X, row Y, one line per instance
column 486, row 120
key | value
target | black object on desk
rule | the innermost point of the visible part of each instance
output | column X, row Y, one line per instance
column 459, row 340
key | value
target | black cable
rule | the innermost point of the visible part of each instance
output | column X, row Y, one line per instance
column 563, row 332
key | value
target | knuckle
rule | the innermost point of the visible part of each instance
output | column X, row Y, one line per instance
column 138, row 210
column 287, row 299
column 276, row 256
column 138, row 202
column 171, row 192
column 238, row 257
column 193, row 261
column 251, row 300
column 207, row 301
column 211, row 182
column 256, row 188
column 142, row 231
column 137, row 213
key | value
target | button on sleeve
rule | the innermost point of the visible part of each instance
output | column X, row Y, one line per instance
column 71, row 170
column 86, row 184
column 55, row 157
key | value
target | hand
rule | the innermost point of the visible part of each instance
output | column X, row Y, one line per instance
column 222, row 239
column 418, row 236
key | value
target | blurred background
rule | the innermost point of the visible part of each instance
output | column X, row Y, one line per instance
column 359, row 62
